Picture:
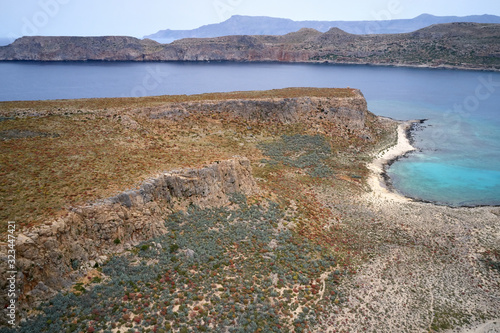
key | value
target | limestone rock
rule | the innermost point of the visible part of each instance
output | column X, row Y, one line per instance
column 461, row 45
column 350, row 112
column 49, row 257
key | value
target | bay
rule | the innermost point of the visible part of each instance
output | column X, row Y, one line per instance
column 458, row 157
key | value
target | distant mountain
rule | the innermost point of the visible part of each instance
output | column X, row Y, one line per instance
column 451, row 45
column 263, row 25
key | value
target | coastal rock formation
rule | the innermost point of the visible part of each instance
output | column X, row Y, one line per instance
column 341, row 255
column 458, row 45
column 52, row 256
column 351, row 112
column 108, row 48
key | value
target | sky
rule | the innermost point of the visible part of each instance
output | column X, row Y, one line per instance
column 143, row 17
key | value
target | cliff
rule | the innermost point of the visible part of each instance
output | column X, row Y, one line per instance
column 351, row 112
column 465, row 45
column 460, row 45
column 52, row 255
column 308, row 248
column 108, row 48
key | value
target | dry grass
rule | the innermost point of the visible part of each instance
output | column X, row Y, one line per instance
column 61, row 106
column 95, row 157
column 84, row 150
column 438, row 265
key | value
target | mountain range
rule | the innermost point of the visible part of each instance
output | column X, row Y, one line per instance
column 263, row 25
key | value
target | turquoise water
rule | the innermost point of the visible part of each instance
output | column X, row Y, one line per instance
column 456, row 165
column 443, row 182
column 458, row 157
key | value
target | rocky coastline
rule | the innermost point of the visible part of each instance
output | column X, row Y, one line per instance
column 313, row 168
column 470, row 227
column 470, row 46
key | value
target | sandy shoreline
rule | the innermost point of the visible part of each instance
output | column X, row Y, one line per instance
column 451, row 276
column 403, row 146
column 428, row 269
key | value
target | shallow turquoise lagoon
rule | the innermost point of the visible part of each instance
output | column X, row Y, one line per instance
column 446, row 183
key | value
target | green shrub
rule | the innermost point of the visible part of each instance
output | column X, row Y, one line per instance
column 174, row 248
column 300, row 151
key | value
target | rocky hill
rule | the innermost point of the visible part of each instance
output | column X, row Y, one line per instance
column 466, row 45
column 263, row 25
column 135, row 214
column 87, row 232
column 458, row 45
column 109, row 48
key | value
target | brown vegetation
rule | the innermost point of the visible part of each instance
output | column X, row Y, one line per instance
column 95, row 148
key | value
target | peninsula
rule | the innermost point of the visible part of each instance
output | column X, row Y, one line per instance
column 451, row 45
column 255, row 211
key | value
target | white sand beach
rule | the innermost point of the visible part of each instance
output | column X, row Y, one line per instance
column 376, row 180
column 428, row 260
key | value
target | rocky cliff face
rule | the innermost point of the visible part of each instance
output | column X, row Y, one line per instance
column 461, row 45
column 464, row 45
column 109, row 48
column 52, row 256
column 351, row 112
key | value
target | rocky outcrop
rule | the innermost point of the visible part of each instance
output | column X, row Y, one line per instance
column 52, row 256
column 351, row 112
column 108, row 48
column 460, row 45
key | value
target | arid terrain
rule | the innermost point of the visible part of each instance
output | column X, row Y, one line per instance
column 235, row 212
column 450, row 45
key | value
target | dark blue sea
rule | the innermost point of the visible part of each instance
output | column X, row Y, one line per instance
column 458, row 161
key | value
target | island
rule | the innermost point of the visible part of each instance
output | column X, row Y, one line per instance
column 450, row 45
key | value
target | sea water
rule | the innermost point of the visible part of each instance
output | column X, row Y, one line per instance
column 457, row 161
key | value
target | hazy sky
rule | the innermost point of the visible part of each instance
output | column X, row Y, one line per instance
column 142, row 17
